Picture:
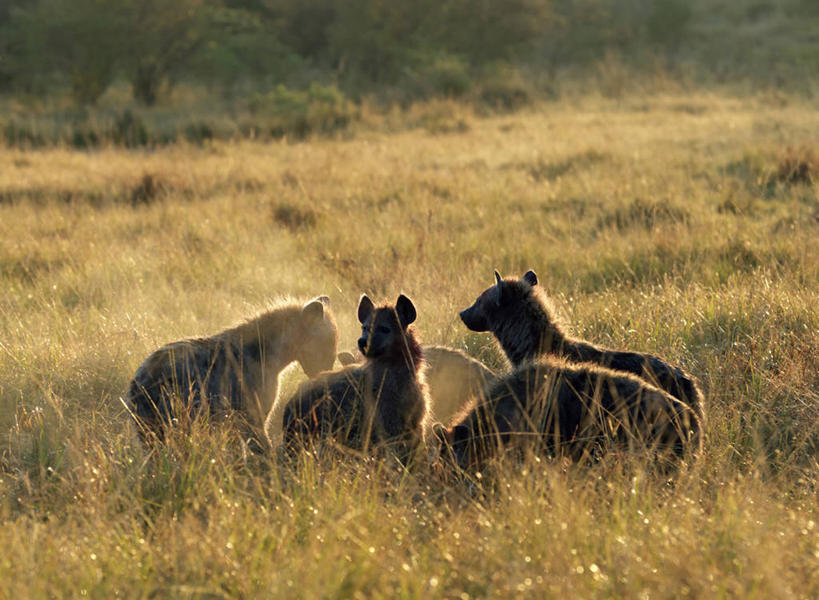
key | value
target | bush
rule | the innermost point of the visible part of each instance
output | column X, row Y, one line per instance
column 130, row 130
column 798, row 165
column 293, row 217
column 319, row 109
column 504, row 89
column 198, row 132
column 84, row 137
column 22, row 136
column 440, row 116
column 443, row 75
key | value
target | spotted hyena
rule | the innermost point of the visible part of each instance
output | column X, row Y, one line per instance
column 235, row 370
column 520, row 315
column 552, row 407
column 455, row 380
column 381, row 402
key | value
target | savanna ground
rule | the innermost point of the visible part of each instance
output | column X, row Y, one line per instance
column 664, row 223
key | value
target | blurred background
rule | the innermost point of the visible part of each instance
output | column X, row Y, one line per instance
column 145, row 72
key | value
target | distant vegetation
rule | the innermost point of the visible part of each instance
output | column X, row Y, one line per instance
column 149, row 72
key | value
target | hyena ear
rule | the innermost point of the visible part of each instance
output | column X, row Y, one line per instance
column 498, row 288
column 313, row 310
column 406, row 310
column 345, row 358
column 530, row 277
column 365, row 308
column 325, row 300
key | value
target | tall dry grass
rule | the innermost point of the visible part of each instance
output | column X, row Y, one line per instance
column 657, row 223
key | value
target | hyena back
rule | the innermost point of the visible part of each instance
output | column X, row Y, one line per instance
column 235, row 370
column 381, row 403
column 552, row 407
column 519, row 314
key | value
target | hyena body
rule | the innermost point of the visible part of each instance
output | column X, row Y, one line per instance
column 236, row 370
column 552, row 406
column 379, row 403
column 519, row 314
column 454, row 379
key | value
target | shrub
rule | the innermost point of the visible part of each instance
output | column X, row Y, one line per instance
column 440, row 116
column 147, row 190
column 82, row 137
column 445, row 75
column 503, row 88
column 198, row 132
column 798, row 165
column 294, row 217
column 20, row 135
column 319, row 109
column 130, row 130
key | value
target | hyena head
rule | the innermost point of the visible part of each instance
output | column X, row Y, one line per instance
column 384, row 329
column 498, row 303
column 318, row 337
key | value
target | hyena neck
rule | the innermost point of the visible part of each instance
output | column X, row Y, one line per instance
column 529, row 331
column 271, row 338
column 579, row 351
column 407, row 358
column 397, row 388
column 411, row 353
column 397, row 371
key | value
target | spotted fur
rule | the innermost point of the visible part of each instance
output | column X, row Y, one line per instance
column 521, row 317
column 555, row 407
column 379, row 403
column 235, row 370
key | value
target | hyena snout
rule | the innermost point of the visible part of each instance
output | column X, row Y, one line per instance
column 373, row 344
column 474, row 319
column 362, row 344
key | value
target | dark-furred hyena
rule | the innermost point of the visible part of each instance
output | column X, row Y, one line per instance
column 235, row 370
column 553, row 407
column 455, row 380
column 520, row 316
column 379, row 403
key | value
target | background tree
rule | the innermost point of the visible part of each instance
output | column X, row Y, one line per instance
column 163, row 37
column 77, row 40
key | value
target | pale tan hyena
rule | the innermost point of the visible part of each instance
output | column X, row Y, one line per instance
column 378, row 404
column 519, row 314
column 236, row 370
column 455, row 380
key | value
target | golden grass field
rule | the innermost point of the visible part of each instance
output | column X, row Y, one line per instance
column 657, row 223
